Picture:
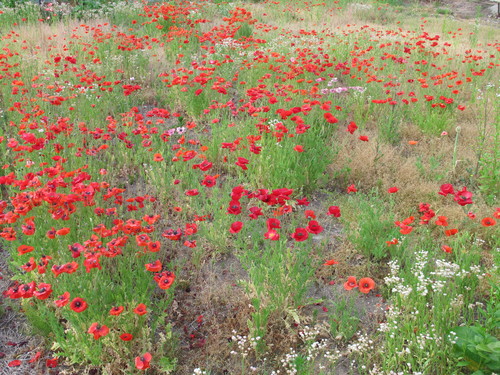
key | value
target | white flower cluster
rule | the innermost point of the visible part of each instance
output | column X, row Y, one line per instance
column 245, row 345
column 199, row 371
column 362, row 345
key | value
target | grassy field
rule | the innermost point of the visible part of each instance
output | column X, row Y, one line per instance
column 254, row 187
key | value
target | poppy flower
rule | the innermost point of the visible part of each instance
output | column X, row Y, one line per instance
column 126, row 336
column 314, row 227
column 255, row 212
column 192, row 192
column 98, row 330
column 331, row 119
column 272, row 235
column 299, row 148
column 309, row 214
column 43, row 292
column 463, row 197
column 51, row 362
column 78, row 305
column 351, row 189
column 14, row 363
column 446, row 249
column 158, row 157
column 471, row 215
column 351, row 128
column 363, row 138
column 142, row 363
column 366, row 284
column 62, row 300
column 334, row 210
column 63, row 231
column 24, row 249
column 450, row 232
column 190, row 243
column 394, row 241
column 273, row 223
column 234, row 207
column 300, row 234
column 210, row 181
column 446, row 189
column 165, row 279
column 351, row 283
column 36, row 357
column 330, row 262
column 236, row 227
column 154, row 267
column 442, row 220
column 116, row 310
column 140, row 309
column 392, row 190
column 488, row 222
column 242, row 163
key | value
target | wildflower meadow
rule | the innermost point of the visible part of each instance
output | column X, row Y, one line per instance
column 249, row 187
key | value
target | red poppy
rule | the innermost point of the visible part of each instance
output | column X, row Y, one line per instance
column 51, row 362
column 154, row 247
column 190, row 243
column 463, row 197
column 154, row 267
column 450, row 232
column 331, row 119
column 78, row 305
column 62, row 300
column 142, row 363
column 173, row 234
column 236, row 227
column 309, row 214
column 446, row 249
column 210, row 181
column 43, row 292
column 273, row 223
column 126, row 336
column 334, row 210
column 98, row 330
column 488, row 222
column 350, row 283
column 255, row 212
column 392, row 190
column 351, row 189
column 140, row 309
column 14, row 363
column 442, row 220
column 192, row 192
column 300, row 234
column 394, row 241
column 351, row 128
column 242, row 162
column 366, row 284
column 116, row 310
column 165, row 279
column 24, row 249
column 471, row 215
column 63, row 231
column 363, row 138
column 299, row 148
column 234, row 207
column 36, row 357
column 446, row 189
column 158, row 157
column 272, row 235
column 330, row 262
column 314, row 227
